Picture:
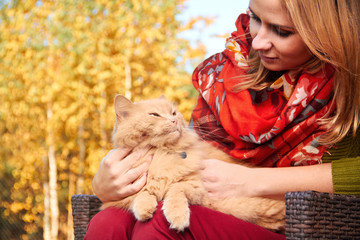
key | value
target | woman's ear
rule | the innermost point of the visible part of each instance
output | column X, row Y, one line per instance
column 122, row 106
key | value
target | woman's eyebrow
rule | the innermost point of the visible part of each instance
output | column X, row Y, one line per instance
column 273, row 24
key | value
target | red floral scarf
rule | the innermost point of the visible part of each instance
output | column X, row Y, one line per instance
column 276, row 126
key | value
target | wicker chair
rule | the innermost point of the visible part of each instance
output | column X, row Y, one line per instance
column 309, row 215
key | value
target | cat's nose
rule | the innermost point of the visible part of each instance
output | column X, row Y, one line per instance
column 173, row 120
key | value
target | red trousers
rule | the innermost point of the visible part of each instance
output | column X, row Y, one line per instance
column 207, row 224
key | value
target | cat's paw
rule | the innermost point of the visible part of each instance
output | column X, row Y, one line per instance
column 177, row 213
column 144, row 208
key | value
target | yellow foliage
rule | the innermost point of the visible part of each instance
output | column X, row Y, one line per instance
column 62, row 62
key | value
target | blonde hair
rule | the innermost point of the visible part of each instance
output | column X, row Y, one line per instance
column 331, row 31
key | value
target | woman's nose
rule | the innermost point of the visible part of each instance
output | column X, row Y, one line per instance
column 261, row 41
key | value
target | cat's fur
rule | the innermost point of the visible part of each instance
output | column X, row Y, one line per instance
column 173, row 175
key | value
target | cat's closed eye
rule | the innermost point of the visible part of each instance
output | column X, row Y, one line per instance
column 154, row 114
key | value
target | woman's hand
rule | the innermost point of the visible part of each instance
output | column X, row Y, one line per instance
column 222, row 179
column 116, row 177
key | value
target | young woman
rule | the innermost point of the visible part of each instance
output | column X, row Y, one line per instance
column 284, row 93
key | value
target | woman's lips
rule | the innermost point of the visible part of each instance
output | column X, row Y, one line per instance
column 267, row 59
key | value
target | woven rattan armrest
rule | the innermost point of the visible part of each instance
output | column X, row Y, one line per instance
column 309, row 215
column 315, row 215
column 84, row 207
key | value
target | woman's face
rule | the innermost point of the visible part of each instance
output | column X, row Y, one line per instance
column 279, row 46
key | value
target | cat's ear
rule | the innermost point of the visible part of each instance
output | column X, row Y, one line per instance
column 162, row 97
column 122, row 106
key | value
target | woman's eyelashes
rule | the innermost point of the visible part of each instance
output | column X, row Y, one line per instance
column 276, row 29
column 281, row 32
column 254, row 17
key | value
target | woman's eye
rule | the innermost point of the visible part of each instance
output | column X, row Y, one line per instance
column 154, row 114
column 255, row 18
column 282, row 33
column 174, row 113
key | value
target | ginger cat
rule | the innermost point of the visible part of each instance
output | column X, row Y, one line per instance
column 173, row 175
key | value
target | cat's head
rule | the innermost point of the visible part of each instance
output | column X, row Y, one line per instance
column 155, row 122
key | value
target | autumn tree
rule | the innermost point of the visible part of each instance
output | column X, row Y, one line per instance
column 62, row 62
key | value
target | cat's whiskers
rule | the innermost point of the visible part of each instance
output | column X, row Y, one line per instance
column 210, row 134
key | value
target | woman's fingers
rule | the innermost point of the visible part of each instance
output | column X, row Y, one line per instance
column 130, row 159
column 134, row 179
column 134, row 173
column 208, row 170
column 134, row 187
column 114, row 156
column 117, row 177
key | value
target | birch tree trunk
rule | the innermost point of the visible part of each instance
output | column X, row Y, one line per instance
column 46, row 220
column 70, row 225
column 103, row 115
column 54, row 205
column 81, row 143
column 82, row 152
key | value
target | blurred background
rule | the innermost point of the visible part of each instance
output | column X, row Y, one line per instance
column 61, row 64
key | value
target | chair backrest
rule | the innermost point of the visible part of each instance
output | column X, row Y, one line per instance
column 84, row 207
column 309, row 215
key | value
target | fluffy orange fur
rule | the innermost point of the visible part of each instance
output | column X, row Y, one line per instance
column 173, row 175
